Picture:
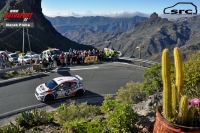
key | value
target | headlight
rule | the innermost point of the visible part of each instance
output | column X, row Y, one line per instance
column 41, row 93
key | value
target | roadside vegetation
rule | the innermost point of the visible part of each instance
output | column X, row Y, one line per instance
column 115, row 115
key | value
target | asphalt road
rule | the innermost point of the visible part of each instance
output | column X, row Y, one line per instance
column 98, row 79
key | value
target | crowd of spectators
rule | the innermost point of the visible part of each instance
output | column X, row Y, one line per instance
column 78, row 57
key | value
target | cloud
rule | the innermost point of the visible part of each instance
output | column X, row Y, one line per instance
column 116, row 14
column 126, row 14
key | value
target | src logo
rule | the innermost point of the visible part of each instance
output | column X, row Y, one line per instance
column 178, row 11
column 16, row 14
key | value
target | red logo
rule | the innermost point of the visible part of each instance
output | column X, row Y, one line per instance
column 16, row 14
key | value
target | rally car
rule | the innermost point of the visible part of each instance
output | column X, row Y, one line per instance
column 60, row 87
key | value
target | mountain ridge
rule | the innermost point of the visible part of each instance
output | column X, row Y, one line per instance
column 42, row 36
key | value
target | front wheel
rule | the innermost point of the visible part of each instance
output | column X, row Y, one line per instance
column 49, row 98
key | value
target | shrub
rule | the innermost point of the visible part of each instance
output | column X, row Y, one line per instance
column 120, row 117
column 75, row 110
column 152, row 79
column 32, row 118
column 12, row 128
column 109, row 97
column 191, row 76
column 131, row 93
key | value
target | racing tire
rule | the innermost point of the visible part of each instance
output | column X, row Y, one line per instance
column 49, row 98
column 79, row 93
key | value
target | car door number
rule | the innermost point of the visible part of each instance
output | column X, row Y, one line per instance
column 68, row 92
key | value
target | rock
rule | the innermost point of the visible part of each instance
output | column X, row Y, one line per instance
column 154, row 15
column 146, row 112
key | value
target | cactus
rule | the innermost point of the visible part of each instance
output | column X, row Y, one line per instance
column 178, row 67
column 172, row 94
column 167, row 97
column 174, row 100
column 183, row 110
column 191, row 112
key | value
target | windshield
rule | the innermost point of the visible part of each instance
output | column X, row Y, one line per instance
column 25, row 57
column 51, row 84
column 13, row 55
column 57, row 51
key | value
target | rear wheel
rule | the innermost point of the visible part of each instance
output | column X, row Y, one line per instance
column 79, row 93
column 49, row 98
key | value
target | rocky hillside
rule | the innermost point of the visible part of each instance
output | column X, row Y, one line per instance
column 65, row 25
column 152, row 35
column 191, row 22
column 42, row 36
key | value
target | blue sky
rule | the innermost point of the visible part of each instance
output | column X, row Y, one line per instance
column 112, row 8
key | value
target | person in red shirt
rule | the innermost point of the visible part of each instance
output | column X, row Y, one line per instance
column 62, row 58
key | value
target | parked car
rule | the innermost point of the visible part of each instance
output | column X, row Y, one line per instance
column 2, row 52
column 31, row 54
column 25, row 59
column 13, row 57
column 60, row 87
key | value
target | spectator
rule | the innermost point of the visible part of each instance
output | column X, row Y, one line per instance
column 5, row 57
column 50, row 61
column 66, row 59
column 70, row 51
column 62, row 58
column 45, row 63
column 1, row 61
column 7, row 53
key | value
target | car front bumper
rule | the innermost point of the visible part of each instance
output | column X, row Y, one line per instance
column 39, row 97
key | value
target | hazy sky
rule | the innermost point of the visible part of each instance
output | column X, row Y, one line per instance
column 111, row 8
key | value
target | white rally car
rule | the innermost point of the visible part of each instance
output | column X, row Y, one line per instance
column 60, row 87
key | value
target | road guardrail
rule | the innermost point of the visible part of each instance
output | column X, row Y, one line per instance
column 137, row 60
column 126, row 59
column 15, row 68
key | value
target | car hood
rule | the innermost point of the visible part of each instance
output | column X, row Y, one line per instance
column 42, row 88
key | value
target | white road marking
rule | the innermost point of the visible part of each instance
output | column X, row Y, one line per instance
column 134, row 65
column 74, row 69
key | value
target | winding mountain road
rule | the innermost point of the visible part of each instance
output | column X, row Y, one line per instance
column 98, row 79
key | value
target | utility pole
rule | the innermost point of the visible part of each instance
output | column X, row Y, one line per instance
column 23, row 45
column 139, row 48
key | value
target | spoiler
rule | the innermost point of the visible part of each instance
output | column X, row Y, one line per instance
column 78, row 77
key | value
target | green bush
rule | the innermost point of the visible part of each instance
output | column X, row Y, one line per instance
column 153, row 80
column 109, row 97
column 82, row 125
column 116, row 117
column 33, row 118
column 120, row 117
column 74, row 110
column 12, row 128
column 131, row 93
column 191, row 75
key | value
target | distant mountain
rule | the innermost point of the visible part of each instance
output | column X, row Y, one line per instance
column 64, row 24
column 42, row 36
column 91, row 37
column 191, row 22
column 152, row 35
